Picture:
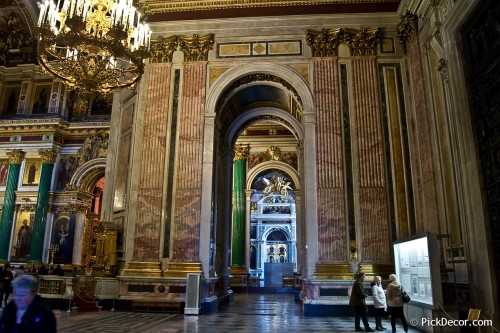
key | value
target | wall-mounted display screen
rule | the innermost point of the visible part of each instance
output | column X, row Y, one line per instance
column 417, row 265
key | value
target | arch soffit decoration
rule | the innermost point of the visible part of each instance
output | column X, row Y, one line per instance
column 269, row 230
column 253, row 173
column 87, row 174
column 286, row 73
column 280, row 116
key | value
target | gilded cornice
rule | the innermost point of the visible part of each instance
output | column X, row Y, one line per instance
column 71, row 208
column 16, row 156
column 150, row 7
column 196, row 48
column 407, row 29
column 57, row 126
column 48, row 156
column 325, row 42
column 241, row 152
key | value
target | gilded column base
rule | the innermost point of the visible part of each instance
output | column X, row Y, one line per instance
column 146, row 269
column 181, row 269
column 333, row 272
column 372, row 270
column 239, row 270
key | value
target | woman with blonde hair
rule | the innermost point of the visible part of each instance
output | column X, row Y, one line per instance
column 379, row 302
column 395, row 303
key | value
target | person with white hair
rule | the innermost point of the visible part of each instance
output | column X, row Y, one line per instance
column 27, row 313
column 395, row 303
column 379, row 302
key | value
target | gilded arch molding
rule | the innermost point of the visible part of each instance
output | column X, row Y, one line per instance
column 88, row 173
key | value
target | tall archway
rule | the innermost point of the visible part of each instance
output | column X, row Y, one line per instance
column 241, row 98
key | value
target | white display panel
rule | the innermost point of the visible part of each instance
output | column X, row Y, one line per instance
column 417, row 266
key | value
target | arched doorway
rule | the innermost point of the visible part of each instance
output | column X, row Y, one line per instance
column 259, row 108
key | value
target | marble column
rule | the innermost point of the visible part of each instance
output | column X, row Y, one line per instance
column 147, row 234
column 372, row 225
column 78, row 237
column 16, row 157
column 187, row 197
column 238, row 231
column 42, row 205
column 332, row 229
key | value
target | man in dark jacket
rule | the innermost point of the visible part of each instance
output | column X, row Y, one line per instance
column 27, row 313
column 6, row 277
column 358, row 301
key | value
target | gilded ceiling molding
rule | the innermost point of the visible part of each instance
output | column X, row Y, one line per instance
column 196, row 48
column 241, row 152
column 362, row 41
column 48, row 156
column 150, row 7
column 16, row 156
column 163, row 48
column 407, row 29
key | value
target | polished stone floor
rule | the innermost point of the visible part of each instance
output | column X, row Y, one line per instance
column 248, row 313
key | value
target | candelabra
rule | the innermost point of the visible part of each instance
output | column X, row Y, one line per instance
column 53, row 249
column 93, row 46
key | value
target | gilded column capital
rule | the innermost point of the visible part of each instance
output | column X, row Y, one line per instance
column 363, row 42
column 48, row 156
column 241, row 152
column 325, row 42
column 407, row 29
column 163, row 48
column 196, row 48
column 16, row 156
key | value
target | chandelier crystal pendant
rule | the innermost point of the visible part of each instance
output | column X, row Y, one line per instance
column 93, row 46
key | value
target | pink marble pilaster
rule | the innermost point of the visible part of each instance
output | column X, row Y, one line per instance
column 426, row 182
column 150, row 188
column 332, row 233
column 186, row 221
column 372, row 222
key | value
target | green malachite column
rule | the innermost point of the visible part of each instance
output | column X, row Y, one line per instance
column 238, row 237
column 42, row 205
column 15, row 159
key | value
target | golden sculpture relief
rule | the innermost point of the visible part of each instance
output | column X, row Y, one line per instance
column 16, row 156
column 94, row 147
column 241, row 152
column 362, row 41
column 71, row 187
column 407, row 29
column 48, row 156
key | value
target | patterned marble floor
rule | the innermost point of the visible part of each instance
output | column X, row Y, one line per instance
column 248, row 313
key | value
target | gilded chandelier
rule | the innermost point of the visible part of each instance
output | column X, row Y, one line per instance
column 93, row 46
